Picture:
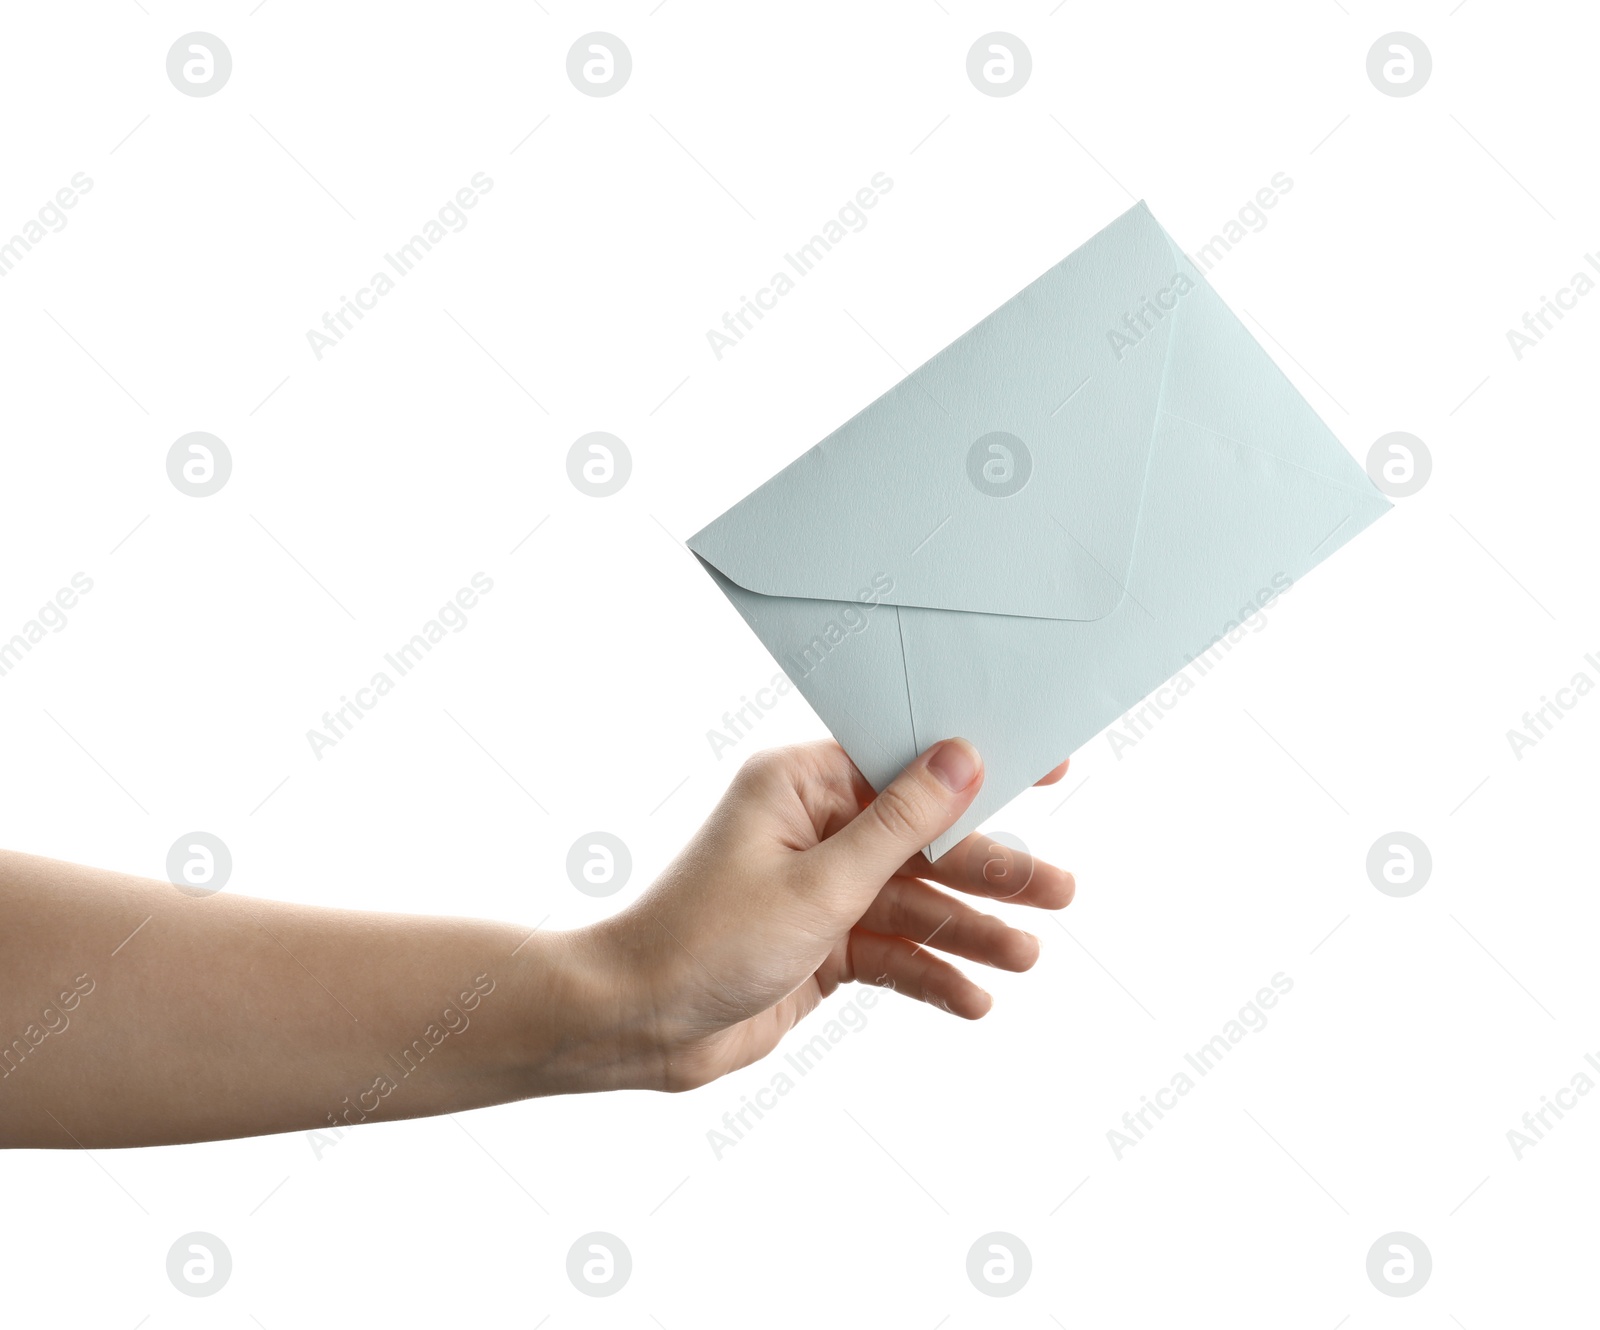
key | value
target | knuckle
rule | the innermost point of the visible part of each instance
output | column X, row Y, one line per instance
column 686, row 1064
column 760, row 766
column 899, row 813
column 680, row 1076
column 900, row 921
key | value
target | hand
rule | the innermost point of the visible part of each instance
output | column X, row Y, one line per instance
column 185, row 1011
column 801, row 881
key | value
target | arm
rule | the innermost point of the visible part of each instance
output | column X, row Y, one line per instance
column 163, row 1017
column 135, row 1014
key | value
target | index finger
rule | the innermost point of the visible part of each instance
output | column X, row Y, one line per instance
column 984, row 865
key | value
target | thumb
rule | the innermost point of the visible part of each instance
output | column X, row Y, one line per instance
column 922, row 801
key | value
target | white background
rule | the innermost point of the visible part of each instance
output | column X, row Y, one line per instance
column 370, row 485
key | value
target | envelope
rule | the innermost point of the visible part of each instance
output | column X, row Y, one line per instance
column 1040, row 526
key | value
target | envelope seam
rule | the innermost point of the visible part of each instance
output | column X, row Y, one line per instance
column 1281, row 461
column 905, row 674
column 1150, row 446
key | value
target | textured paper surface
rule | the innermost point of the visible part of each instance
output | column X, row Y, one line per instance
column 1170, row 479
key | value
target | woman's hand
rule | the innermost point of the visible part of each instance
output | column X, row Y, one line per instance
column 146, row 1015
column 800, row 881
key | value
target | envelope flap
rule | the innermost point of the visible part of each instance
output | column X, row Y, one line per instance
column 1005, row 475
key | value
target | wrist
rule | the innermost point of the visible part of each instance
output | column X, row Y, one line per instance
column 592, row 1024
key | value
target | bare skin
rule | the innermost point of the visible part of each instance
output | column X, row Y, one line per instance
column 133, row 1014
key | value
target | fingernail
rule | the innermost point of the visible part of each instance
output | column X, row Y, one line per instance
column 955, row 762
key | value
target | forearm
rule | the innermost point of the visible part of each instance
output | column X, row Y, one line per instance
column 132, row 1014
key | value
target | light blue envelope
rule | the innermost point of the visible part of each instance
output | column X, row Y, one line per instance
column 1036, row 529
